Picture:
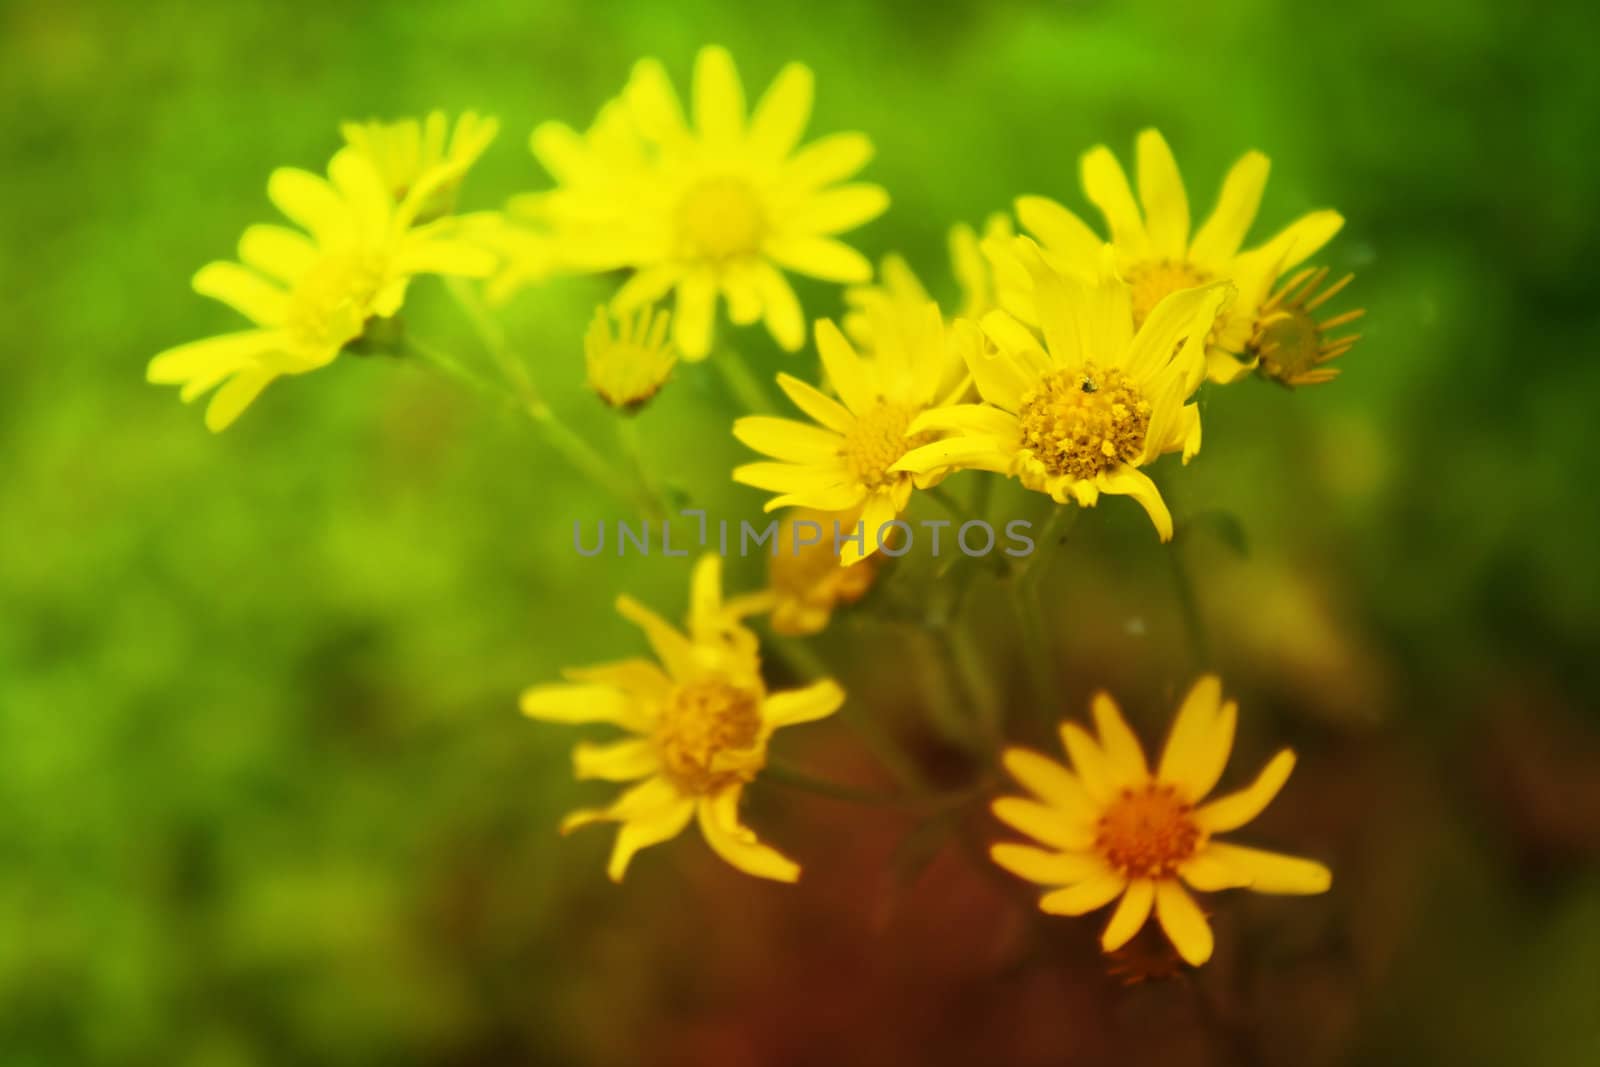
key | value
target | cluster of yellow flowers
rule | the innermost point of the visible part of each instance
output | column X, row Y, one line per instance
column 1071, row 364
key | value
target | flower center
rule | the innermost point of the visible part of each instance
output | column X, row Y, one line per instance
column 333, row 301
column 1148, row 832
column 1155, row 279
column 720, row 218
column 1080, row 423
column 877, row 440
column 1290, row 344
column 699, row 722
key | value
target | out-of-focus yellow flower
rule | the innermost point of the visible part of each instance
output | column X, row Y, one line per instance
column 700, row 721
column 310, row 296
column 1110, row 828
column 1156, row 252
column 901, row 292
column 846, row 460
column 1289, row 346
column 630, row 366
column 721, row 207
column 806, row 579
column 406, row 150
column 1081, row 414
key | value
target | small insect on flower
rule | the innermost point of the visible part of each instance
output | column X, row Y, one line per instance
column 847, row 460
column 1155, row 251
column 406, row 150
column 309, row 297
column 1109, row 828
column 1079, row 415
column 630, row 366
column 700, row 721
column 717, row 208
column 1289, row 346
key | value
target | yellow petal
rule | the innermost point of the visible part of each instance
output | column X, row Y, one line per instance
column 819, row 405
column 647, row 286
column 1047, row 868
column 1090, row 763
column 788, row 440
column 1166, row 205
column 780, row 307
column 955, row 453
column 1273, row 872
column 581, row 703
column 212, row 357
column 1084, row 897
column 827, row 159
column 1050, row 782
column 646, row 830
column 841, row 208
column 1060, row 231
column 308, row 200
column 737, row 844
column 1185, row 925
column 815, row 701
column 1222, row 234
column 718, row 96
column 820, row 257
column 1208, row 874
column 692, row 321
column 365, row 197
column 653, row 104
column 238, row 393
column 844, row 368
column 1300, row 239
column 880, row 510
column 277, row 251
column 639, row 679
column 705, row 595
column 1107, row 188
column 1130, row 916
column 619, row 761
column 1130, row 481
column 1178, row 316
column 782, row 113
column 243, row 290
column 1047, row 825
column 1201, row 738
column 1236, row 809
column 1124, row 755
column 450, row 258
column 672, row 648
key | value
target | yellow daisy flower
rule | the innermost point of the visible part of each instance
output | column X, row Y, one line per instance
column 1290, row 346
column 406, row 150
column 718, row 208
column 899, row 290
column 309, row 297
column 700, row 721
column 1156, row 252
column 806, row 580
column 846, row 461
column 630, row 366
column 1079, row 415
column 1110, row 828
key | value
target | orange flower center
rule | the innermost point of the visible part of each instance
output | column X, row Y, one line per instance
column 700, row 722
column 1148, row 832
column 1080, row 423
column 1155, row 279
column 877, row 441
column 720, row 219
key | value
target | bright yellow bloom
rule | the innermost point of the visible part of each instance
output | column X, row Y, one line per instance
column 700, row 722
column 406, row 150
column 806, row 579
column 846, row 461
column 630, row 366
column 1110, row 828
column 309, row 297
column 720, row 207
column 899, row 290
column 1081, row 414
column 1290, row 346
column 1155, row 250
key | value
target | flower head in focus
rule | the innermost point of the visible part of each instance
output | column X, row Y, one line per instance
column 714, row 209
column 699, row 720
column 846, row 459
column 1081, row 414
column 1111, row 828
column 407, row 150
column 309, row 295
column 629, row 366
column 1155, row 251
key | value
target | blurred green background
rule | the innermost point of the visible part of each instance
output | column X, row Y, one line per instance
column 264, row 793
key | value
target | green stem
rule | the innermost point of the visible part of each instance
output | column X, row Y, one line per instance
column 751, row 394
column 1035, row 647
column 628, row 435
column 1189, row 606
